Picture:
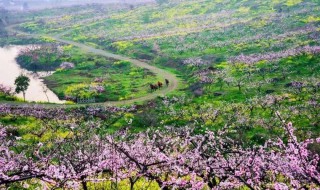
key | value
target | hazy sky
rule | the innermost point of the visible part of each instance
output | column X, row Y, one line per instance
column 38, row 4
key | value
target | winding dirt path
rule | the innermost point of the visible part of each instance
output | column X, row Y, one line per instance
column 174, row 81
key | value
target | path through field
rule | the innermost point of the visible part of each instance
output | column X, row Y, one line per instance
column 159, row 72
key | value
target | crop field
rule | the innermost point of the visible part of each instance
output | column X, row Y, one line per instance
column 221, row 94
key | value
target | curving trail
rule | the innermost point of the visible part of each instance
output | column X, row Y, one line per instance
column 174, row 81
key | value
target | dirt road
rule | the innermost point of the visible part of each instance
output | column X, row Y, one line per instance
column 174, row 81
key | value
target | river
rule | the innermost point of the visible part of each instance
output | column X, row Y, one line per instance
column 9, row 70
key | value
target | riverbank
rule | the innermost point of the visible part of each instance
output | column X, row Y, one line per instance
column 9, row 70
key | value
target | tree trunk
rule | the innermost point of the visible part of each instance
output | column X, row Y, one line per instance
column 45, row 92
column 212, row 183
column 84, row 185
column 160, row 183
column 132, row 182
column 239, row 87
column 24, row 96
column 131, row 186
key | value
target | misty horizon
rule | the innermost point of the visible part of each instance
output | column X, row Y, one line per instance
column 22, row 5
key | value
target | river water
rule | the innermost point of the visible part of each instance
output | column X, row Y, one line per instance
column 9, row 70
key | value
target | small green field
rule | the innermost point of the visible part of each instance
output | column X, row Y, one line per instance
column 120, row 79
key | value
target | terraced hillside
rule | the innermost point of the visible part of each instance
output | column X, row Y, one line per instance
column 245, row 115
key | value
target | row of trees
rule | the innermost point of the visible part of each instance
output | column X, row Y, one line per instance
column 180, row 158
column 272, row 56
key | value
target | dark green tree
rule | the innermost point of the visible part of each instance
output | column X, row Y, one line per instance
column 22, row 84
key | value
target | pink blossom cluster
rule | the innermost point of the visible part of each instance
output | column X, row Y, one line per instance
column 268, row 35
column 195, row 61
column 188, row 159
column 272, row 56
column 97, row 88
column 207, row 75
column 35, row 52
column 41, row 112
column 181, row 44
column 6, row 90
column 98, row 80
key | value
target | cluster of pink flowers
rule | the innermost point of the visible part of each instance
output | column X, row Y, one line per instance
column 6, row 90
column 268, row 35
column 97, row 88
column 41, row 112
column 272, row 56
column 195, row 61
column 204, row 41
column 98, row 80
column 35, row 52
column 189, row 160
